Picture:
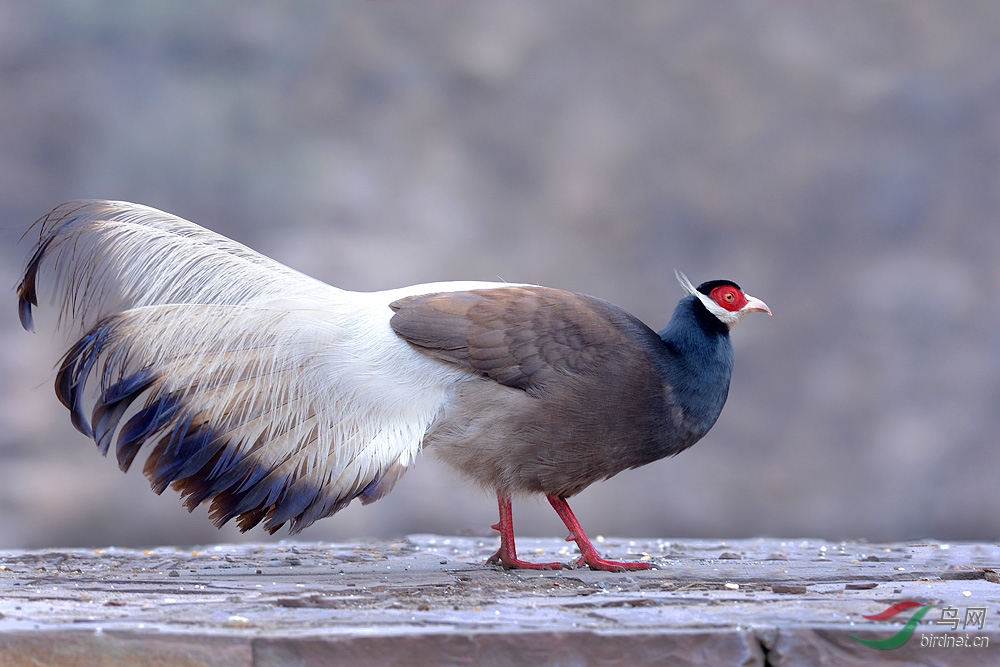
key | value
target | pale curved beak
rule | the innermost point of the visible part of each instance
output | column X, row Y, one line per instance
column 753, row 303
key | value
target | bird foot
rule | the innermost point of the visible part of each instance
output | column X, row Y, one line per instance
column 595, row 562
column 590, row 557
column 512, row 562
column 506, row 555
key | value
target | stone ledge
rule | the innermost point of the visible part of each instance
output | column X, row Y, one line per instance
column 432, row 598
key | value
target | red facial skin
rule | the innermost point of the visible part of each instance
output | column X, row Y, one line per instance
column 729, row 297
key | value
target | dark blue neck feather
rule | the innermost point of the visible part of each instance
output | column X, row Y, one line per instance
column 699, row 355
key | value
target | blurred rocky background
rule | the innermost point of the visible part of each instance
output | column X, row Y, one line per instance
column 840, row 160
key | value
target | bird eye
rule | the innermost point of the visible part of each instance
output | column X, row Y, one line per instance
column 729, row 297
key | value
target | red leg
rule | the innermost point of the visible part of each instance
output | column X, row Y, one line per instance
column 590, row 556
column 506, row 555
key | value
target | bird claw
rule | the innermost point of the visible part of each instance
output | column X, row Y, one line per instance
column 511, row 562
column 603, row 564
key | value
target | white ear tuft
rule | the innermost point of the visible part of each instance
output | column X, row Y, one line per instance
column 685, row 283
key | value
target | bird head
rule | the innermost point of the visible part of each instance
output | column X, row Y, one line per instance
column 724, row 299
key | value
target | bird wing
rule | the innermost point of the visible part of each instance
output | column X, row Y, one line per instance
column 275, row 396
column 520, row 336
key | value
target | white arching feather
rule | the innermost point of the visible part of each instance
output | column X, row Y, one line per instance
column 273, row 395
